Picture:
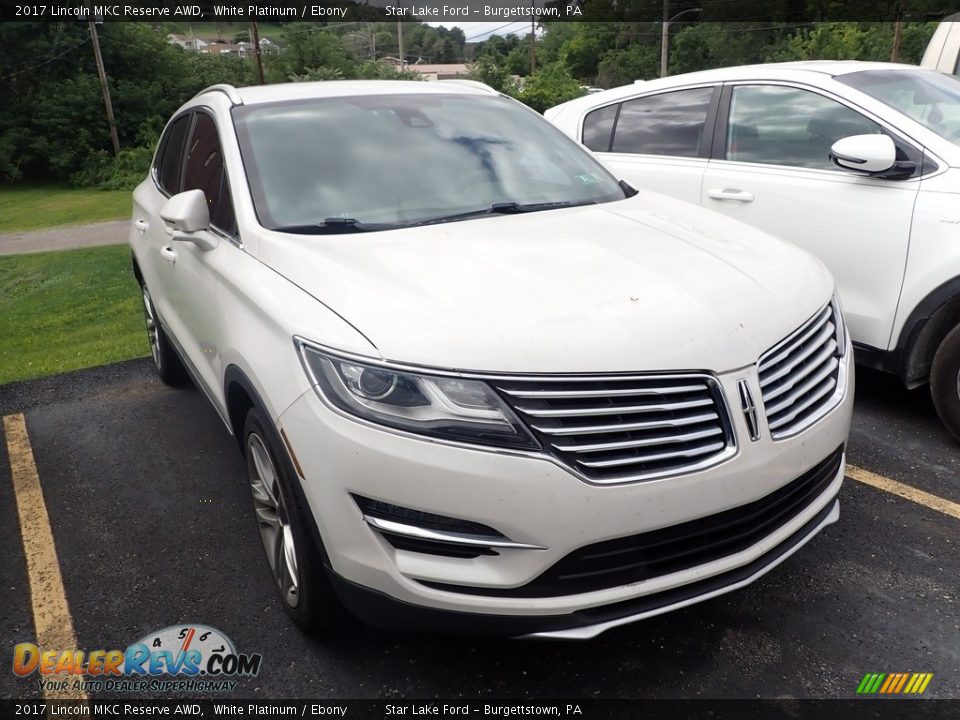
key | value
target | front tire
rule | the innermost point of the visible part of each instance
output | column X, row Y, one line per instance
column 945, row 381
column 293, row 557
column 165, row 360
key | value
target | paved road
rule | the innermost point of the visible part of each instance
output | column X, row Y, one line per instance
column 65, row 238
column 153, row 527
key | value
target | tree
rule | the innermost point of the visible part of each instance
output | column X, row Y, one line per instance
column 550, row 85
column 487, row 71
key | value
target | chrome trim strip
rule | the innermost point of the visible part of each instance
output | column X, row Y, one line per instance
column 645, row 442
column 392, row 527
column 828, row 352
column 584, row 394
column 828, row 407
column 796, row 338
column 591, row 631
column 656, row 457
column 749, row 408
column 823, row 374
column 625, row 427
column 615, row 409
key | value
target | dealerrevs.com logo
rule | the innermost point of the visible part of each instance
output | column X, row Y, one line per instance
column 179, row 658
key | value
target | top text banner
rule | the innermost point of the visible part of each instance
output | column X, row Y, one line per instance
column 454, row 11
column 465, row 11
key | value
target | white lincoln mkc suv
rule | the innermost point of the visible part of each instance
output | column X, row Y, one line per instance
column 479, row 383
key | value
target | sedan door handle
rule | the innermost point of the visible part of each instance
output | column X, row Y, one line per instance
column 141, row 225
column 731, row 194
column 168, row 254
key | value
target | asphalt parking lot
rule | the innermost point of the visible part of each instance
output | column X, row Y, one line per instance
column 153, row 527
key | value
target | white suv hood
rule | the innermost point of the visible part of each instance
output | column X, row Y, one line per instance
column 648, row 283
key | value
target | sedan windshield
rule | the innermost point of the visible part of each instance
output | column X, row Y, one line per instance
column 377, row 162
column 929, row 97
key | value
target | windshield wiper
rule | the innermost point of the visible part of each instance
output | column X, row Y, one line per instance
column 336, row 226
column 502, row 208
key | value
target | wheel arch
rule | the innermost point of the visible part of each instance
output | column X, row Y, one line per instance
column 136, row 268
column 239, row 396
column 924, row 330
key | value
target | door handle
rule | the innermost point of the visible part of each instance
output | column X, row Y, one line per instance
column 168, row 254
column 141, row 225
column 731, row 194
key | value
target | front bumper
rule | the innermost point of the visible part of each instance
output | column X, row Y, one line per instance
column 535, row 502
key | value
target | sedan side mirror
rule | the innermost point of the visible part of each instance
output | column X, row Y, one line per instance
column 870, row 154
column 185, row 215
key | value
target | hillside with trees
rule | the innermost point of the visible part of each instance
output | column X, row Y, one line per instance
column 53, row 126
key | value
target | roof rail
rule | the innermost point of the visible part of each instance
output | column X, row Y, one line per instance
column 472, row 83
column 229, row 90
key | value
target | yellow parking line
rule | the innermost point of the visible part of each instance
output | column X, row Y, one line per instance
column 51, row 614
column 947, row 507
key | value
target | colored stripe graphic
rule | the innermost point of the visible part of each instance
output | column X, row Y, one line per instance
column 894, row 683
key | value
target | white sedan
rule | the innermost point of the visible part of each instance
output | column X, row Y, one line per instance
column 857, row 162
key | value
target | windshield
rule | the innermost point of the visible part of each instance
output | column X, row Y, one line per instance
column 929, row 97
column 383, row 161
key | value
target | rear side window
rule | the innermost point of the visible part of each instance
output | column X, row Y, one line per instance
column 598, row 127
column 667, row 124
column 204, row 170
column 170, row 155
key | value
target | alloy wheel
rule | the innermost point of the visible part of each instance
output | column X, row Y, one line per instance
column 273, row 518
column 153, row 332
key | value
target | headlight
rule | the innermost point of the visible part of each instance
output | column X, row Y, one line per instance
column 840, row 325
column 452, row 408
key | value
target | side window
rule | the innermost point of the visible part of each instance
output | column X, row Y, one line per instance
column 667, row 124
column 170, row 155
column 204, row 170
column 598, row 126
column 778, row 125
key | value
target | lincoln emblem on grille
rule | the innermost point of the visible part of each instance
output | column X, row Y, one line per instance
column 749, row 409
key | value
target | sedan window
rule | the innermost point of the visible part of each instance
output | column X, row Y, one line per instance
column 778, row 125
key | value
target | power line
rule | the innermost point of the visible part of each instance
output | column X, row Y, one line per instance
column 488, row 33
column 45, row 62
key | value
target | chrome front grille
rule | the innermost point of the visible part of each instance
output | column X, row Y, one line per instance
column 798, row 377
column 619, row 428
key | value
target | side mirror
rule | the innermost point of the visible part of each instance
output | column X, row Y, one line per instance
column 185, row 215
column 868, row 154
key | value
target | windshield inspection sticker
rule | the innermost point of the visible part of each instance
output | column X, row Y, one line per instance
column 588, row 178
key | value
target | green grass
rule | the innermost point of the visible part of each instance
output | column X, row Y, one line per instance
column 68, row 310
column 33, row 207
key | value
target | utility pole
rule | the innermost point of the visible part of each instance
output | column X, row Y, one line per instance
column 665, row 34
column 533, row 41
column 400, row 42
column 664, row 38
column 897, row 27
column 255, row 36
column 104, row 87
